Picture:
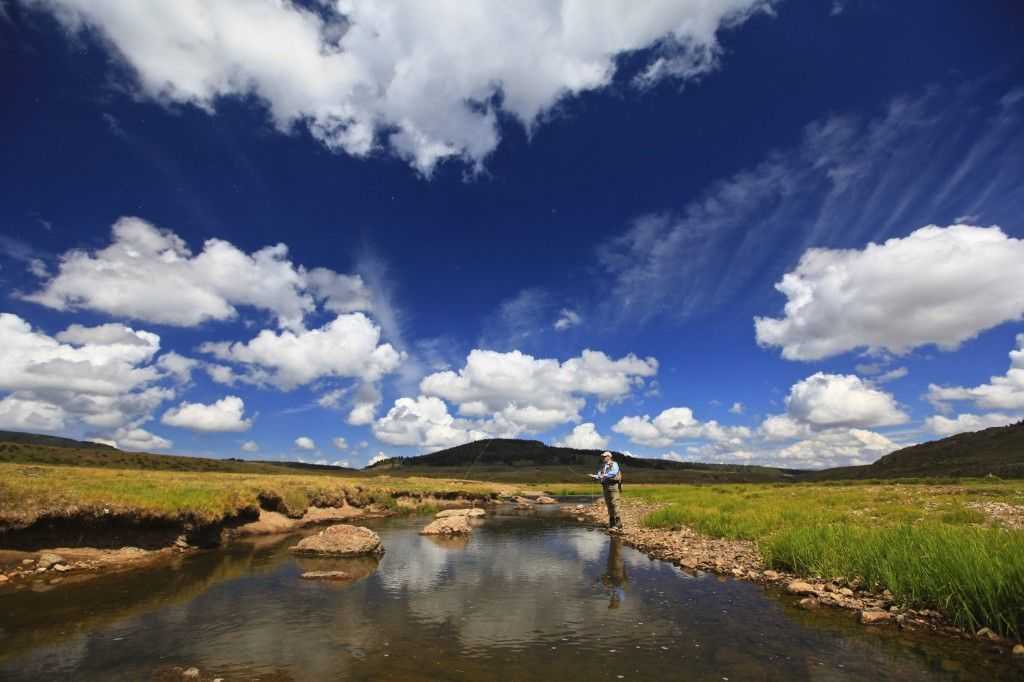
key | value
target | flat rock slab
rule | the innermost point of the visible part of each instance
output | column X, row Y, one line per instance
column 342, row 540
column 459, row 512
column 449, row 525
column 544, row 499
column 326, row 575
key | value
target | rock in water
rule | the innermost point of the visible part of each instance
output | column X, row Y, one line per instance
column 800, row 587
column 544, row 499
column 809, row 603
column 449, row 525
column 342, row 540
column 48, row 559
column 1018, row 650
column 326, row 575
column 874, row 616
column 459, row 512
column 519, row 499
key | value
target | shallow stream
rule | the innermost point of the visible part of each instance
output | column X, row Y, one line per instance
column 527, row 597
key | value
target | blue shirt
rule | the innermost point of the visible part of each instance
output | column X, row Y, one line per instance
column 608, row 471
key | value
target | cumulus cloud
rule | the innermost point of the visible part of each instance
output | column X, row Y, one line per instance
column 944, row 426
column 379, row 457
column 340, row 443
column 567, row 319
column 423, row 421
column 250, row 446
column 305, row 443
column 836, row 447
column 364, row 405
column 177, row 366
column 677, row 424
column 584, row 437
column 103, row 376
column 348, row 346
column 737, row 408
column 148, row 273
column 938, row 285
column 22, row 414
column 139, row 439
column 831, row 400
column 358, row 74
column 1001, row 393
column 225, row 414
column 536, row 394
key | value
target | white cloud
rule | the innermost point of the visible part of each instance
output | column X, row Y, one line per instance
column 139, row 439
column 358, row 73
column 423, row 422
column 836, row 400
column 342, row 463
column 364, row 405
column 783, row 427
column 250, row 446
column 536, row 394
column 891, row 375
column 148, row 273
column 1001, row 393
column 305, row 443
column 567, row 319
column 348, row 346
column 340, row 443
column 20, row 414
column 677, row 424
column 836, row 447
column 225, row 414
column 584, row 437
column 177, row 366
column 938, row 285
column 99, row 376
column 737, row 408
column 944, row 426
column 849, row 180
column 379, row 457
column 332, row 399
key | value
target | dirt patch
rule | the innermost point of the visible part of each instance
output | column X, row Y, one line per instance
column 1001, row 514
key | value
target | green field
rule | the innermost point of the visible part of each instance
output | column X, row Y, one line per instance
column 933, row 544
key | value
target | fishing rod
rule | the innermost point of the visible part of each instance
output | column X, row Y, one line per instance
column 478, row 456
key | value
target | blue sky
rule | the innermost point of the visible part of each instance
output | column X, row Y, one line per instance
column 786, row 233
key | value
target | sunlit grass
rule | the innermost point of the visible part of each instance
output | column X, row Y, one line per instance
column 921, row 541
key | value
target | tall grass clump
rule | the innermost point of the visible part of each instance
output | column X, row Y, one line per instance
column 974, row 575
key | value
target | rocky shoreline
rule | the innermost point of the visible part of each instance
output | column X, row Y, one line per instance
column 740, row 559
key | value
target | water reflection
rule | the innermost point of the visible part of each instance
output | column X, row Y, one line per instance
column 522, row 598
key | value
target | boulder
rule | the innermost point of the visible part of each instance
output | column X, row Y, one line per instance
column 771, row 575
column 61, row 568
column 48, row 559
column 3, row 578
column 809, row 603
column 190, row 673
column 544, row 499
column 874, row 616
column 1018, row 650
column 449, row 525
column 800, row 587
column 459, row 512
column 519, row 499
column 342, row 540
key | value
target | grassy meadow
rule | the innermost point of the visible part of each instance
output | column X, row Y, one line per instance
column 933, row 544
column 27, row 491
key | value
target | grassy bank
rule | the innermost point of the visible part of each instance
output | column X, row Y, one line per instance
column 932, row 545
column 28, row 491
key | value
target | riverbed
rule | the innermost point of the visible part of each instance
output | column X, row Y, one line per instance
column 527, row 596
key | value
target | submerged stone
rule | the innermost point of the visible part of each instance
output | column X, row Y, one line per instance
column 459, row 512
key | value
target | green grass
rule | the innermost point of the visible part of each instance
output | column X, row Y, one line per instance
column 921, row 540
column 28, row 491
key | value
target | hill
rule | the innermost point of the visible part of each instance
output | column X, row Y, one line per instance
column 501, row 459
column 998, row 451
column 30, row 448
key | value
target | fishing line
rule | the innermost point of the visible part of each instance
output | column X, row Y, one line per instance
column 478, row 456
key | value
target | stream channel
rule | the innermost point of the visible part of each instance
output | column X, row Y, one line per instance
column 527, row 597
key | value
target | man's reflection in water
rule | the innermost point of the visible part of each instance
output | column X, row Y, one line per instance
column 614, row 578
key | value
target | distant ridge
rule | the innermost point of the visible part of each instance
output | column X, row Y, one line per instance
column 997, row 451
column 49, row 441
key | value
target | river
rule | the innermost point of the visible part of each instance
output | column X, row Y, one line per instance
column 533, row 596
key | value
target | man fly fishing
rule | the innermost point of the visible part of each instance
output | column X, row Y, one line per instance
column 611, row 480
